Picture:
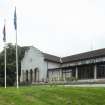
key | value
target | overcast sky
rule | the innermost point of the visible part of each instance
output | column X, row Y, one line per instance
column 58, row 27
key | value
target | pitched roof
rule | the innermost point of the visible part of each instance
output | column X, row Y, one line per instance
column 52, row 58
column 86, row 55
column 72, row 58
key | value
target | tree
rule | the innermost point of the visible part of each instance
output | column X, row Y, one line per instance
column 11, row 63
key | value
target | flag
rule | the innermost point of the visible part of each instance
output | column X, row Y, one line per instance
column 4, row 33
column 15, row 19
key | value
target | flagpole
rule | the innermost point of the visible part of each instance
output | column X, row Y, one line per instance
column 15, row 25
column 17, row 61
column 5, row 62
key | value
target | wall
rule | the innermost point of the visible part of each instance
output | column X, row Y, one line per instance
column 52, row 65
column 90, row 61
column 34, row 59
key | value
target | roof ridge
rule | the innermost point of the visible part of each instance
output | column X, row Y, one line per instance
column 85, row 52
column 85, row 55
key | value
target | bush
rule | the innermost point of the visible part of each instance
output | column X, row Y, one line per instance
column 68, row 79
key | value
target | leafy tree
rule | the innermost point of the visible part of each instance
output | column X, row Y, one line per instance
column 11, row 64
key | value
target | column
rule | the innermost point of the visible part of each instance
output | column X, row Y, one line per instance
column 49, row 73
column 25, row 76
column 33, row 75
column 59, row 75
column 76, row 73
column 37, row 76
column 22, row 75
column 95, row 71
column 28, row 75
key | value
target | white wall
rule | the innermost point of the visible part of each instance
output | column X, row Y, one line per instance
column 34, row 59
column 52, row 65
column 56, row 74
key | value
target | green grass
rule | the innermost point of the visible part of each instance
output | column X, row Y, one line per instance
column 52, row 95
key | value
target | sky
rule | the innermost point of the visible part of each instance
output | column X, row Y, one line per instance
column 58, row 27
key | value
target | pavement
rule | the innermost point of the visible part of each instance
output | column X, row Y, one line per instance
column 87, row 85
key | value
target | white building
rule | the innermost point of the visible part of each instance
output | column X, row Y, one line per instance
column 37, row 66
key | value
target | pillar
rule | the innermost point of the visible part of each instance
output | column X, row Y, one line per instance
column 95, row 71
column 33, row 76
column 21, row 78
column 29, row 75
column 23, row 75
column 76, row 73
column 60, row 74
column 37, row 76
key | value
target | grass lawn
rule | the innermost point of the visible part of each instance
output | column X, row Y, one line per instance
column 52, row 95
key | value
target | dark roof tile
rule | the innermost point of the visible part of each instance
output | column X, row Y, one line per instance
column 52, row 58
column 83, row 56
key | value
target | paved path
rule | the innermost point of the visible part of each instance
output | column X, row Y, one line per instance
column 87, row 85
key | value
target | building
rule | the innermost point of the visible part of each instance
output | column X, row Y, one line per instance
column 37, row 66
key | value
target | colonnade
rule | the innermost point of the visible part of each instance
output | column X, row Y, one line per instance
column 30, row 76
